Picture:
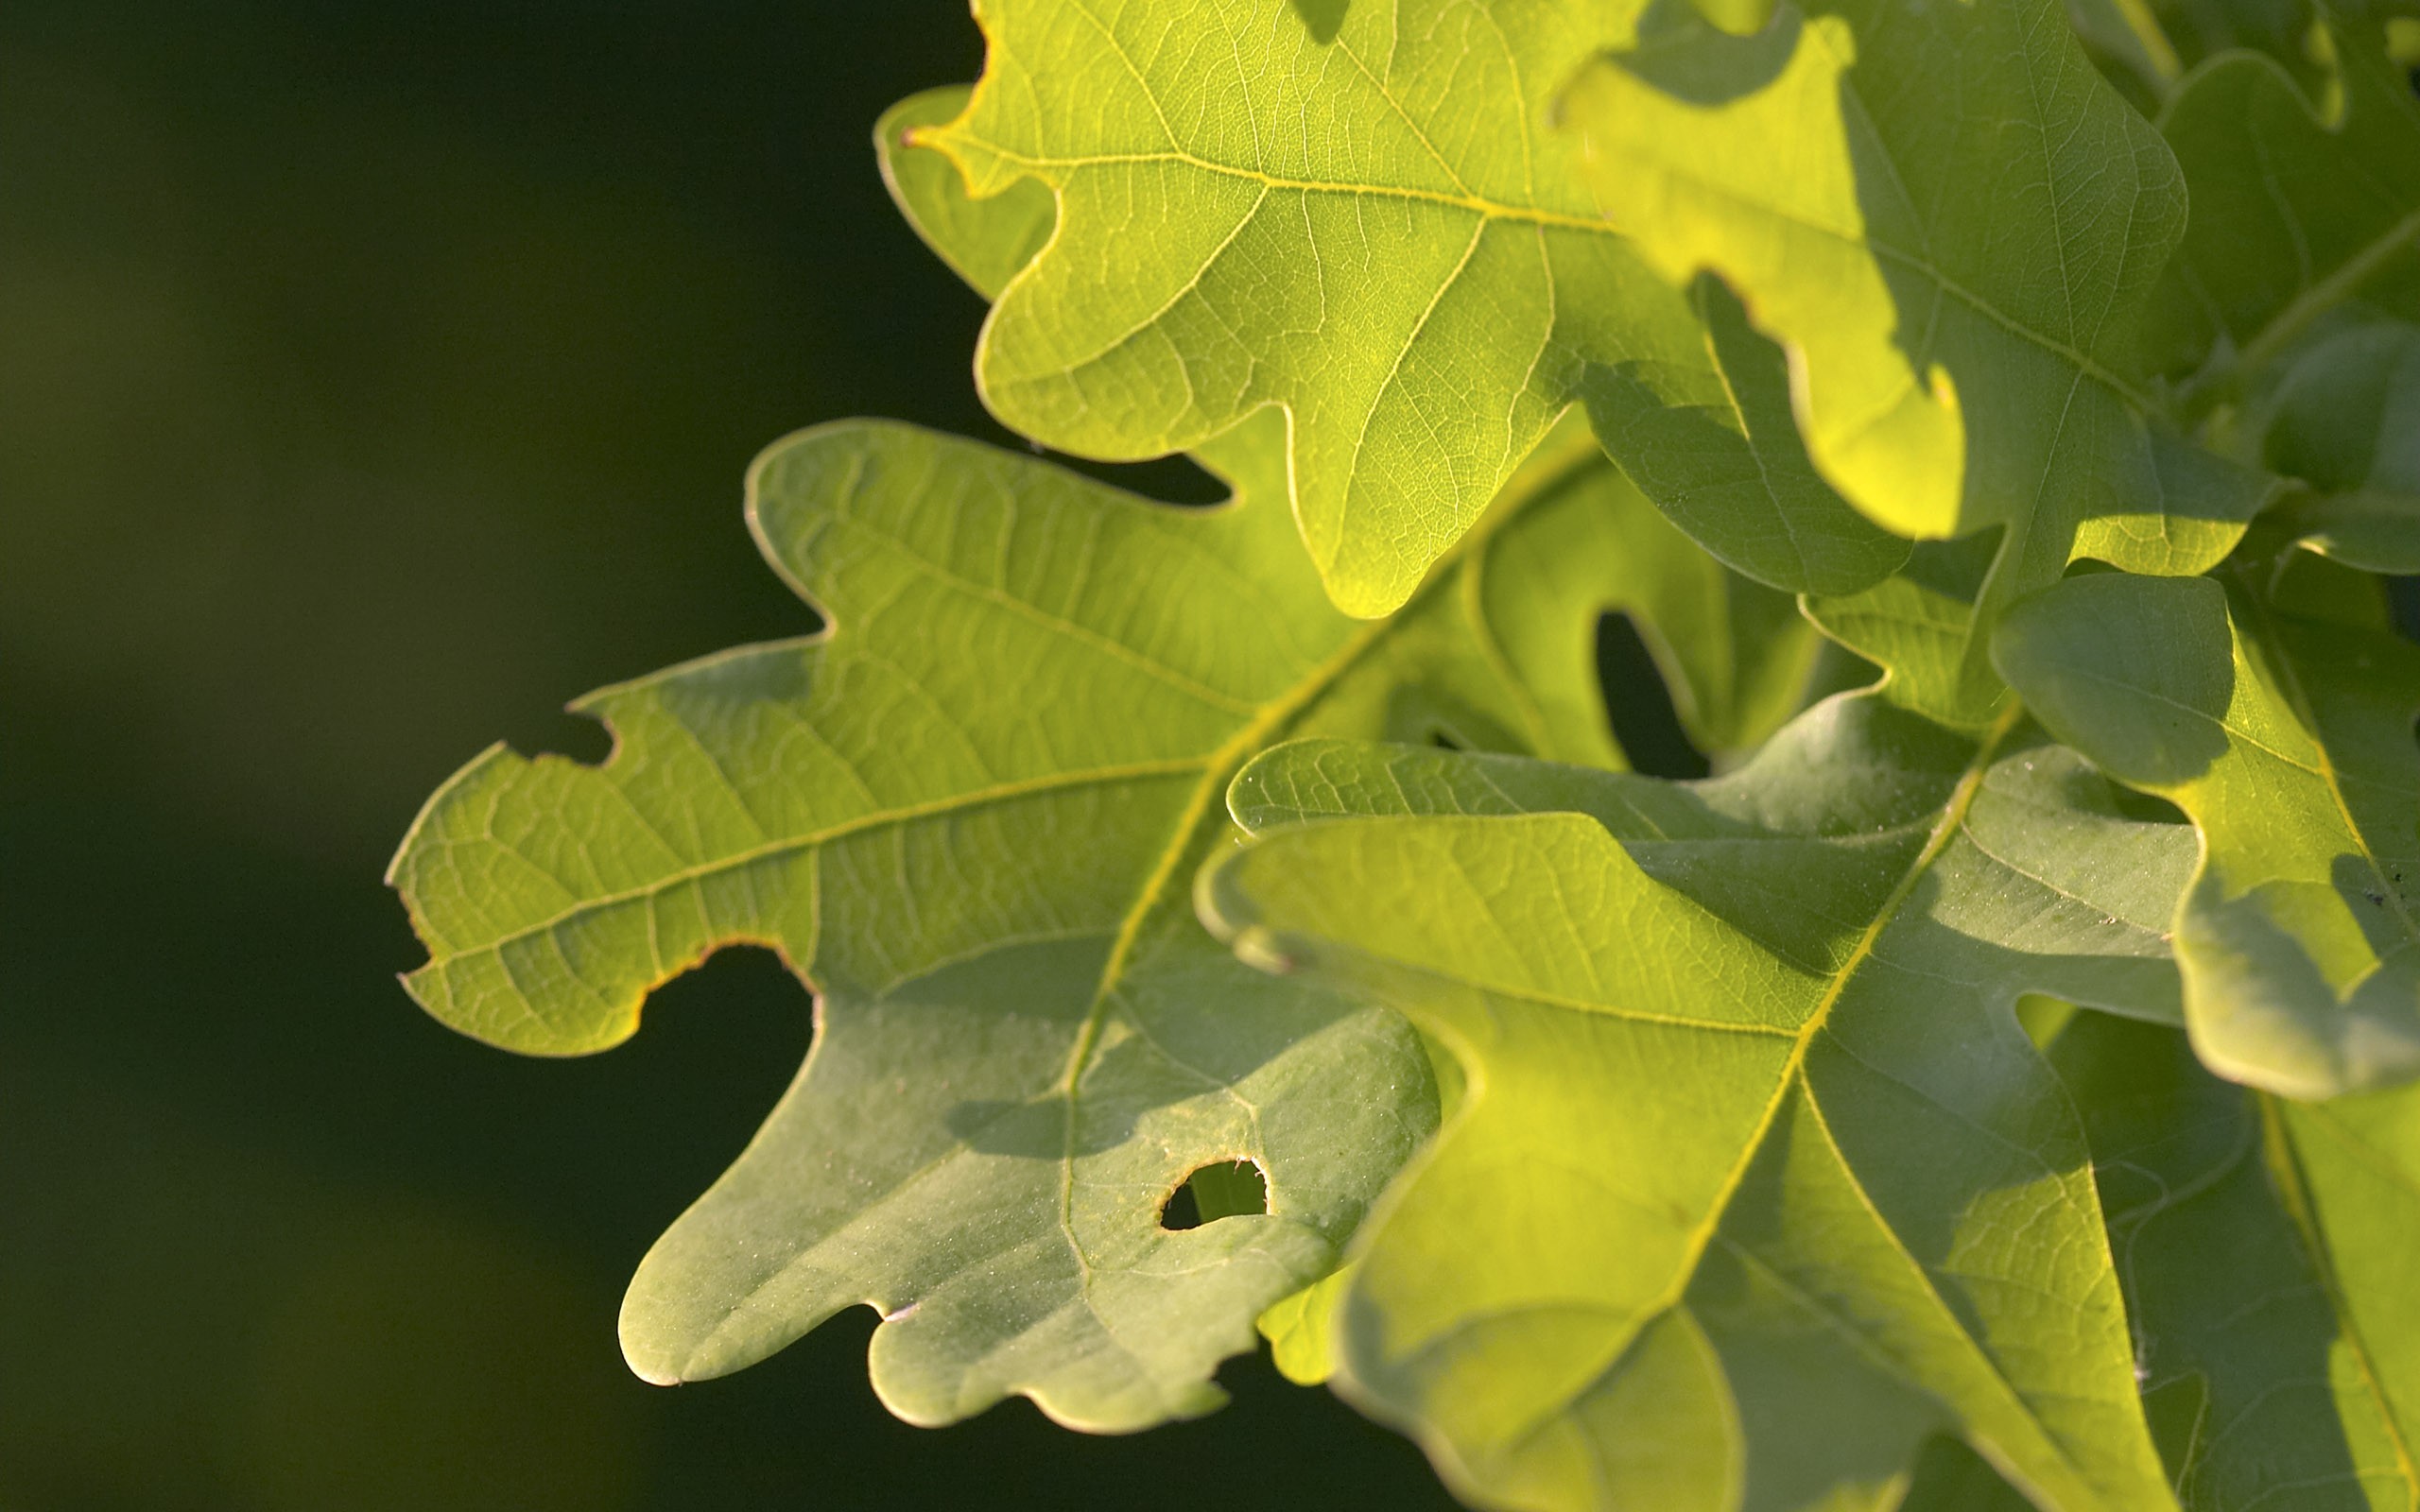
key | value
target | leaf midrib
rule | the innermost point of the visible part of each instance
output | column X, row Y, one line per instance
column 1706, row 1230
column 1218, row 772
column 1953, row 817
column 1041, row 167
column 859, row 824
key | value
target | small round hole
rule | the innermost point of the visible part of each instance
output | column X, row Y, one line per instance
column 1223, row 1188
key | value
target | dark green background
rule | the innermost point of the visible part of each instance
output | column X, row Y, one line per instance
column 374, row 379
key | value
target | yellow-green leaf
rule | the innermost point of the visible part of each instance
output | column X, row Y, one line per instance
column 2288, row 741
column 1758, row 1184
column 1952, row 223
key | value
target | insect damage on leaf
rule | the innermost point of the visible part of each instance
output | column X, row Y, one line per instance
column 966, row 815
column 1750, row 1043
column 1993, row 1087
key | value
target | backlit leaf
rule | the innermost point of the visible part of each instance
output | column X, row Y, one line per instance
column 2296, row 211
column 1758, row 1184
column 1960, row 288
column 2265, row 1247
column 1423, row 292
column 1024, row 1046
column 2288, row 741
column 1368, row 226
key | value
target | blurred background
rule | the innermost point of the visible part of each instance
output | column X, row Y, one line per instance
column 374, row 378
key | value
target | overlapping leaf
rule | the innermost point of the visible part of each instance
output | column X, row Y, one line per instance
column 1734, row 658
column 1756, row 1184
column 1718, row 451
column 2265, row 1247
column 1363, row 223
column 1952, row 223
column 2288, row 741
column 1916, row 625
column 2294, row 214
column 2345, row 418
column 1754, row 1193
column 966, row 815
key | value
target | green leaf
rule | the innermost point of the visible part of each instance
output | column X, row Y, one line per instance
column 1916, row 625
column 1757, row 1183
column 1733, row 656
column 1726, row 465
column 1025, row 1045
column 2130, row 46
column 1950, row 1477
column 1365, row 227
column 1301, row 1330
column 1959, row 289
column 2345, row 416
column 2294, row 212
column 2265, row 1247
column 986, row 242
column 2288, row 741
column 2199, row 30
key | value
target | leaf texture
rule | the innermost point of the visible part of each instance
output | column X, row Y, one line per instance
column 2265, row 1249
column 1960, row 288
column 1367, row 227
column 1025, row 1045
column 2345, row 418
column 1756, row 1185
column 1733, row 657
column 2294, row 215
column 1726, row 462
column 1916, row 625
column 2288, row 741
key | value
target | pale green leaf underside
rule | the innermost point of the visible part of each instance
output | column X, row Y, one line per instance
column 1758, row 1184
column 1025, row 1042
column 2265, row 1248
column 1957, row 266
column 1021, row 1048
column 2290, row 744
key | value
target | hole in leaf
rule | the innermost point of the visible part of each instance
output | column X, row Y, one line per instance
column 1223, row 1188
column 1640, row 705
column 582, row 738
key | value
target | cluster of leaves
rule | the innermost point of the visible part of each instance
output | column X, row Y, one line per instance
column 1992, row 1085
